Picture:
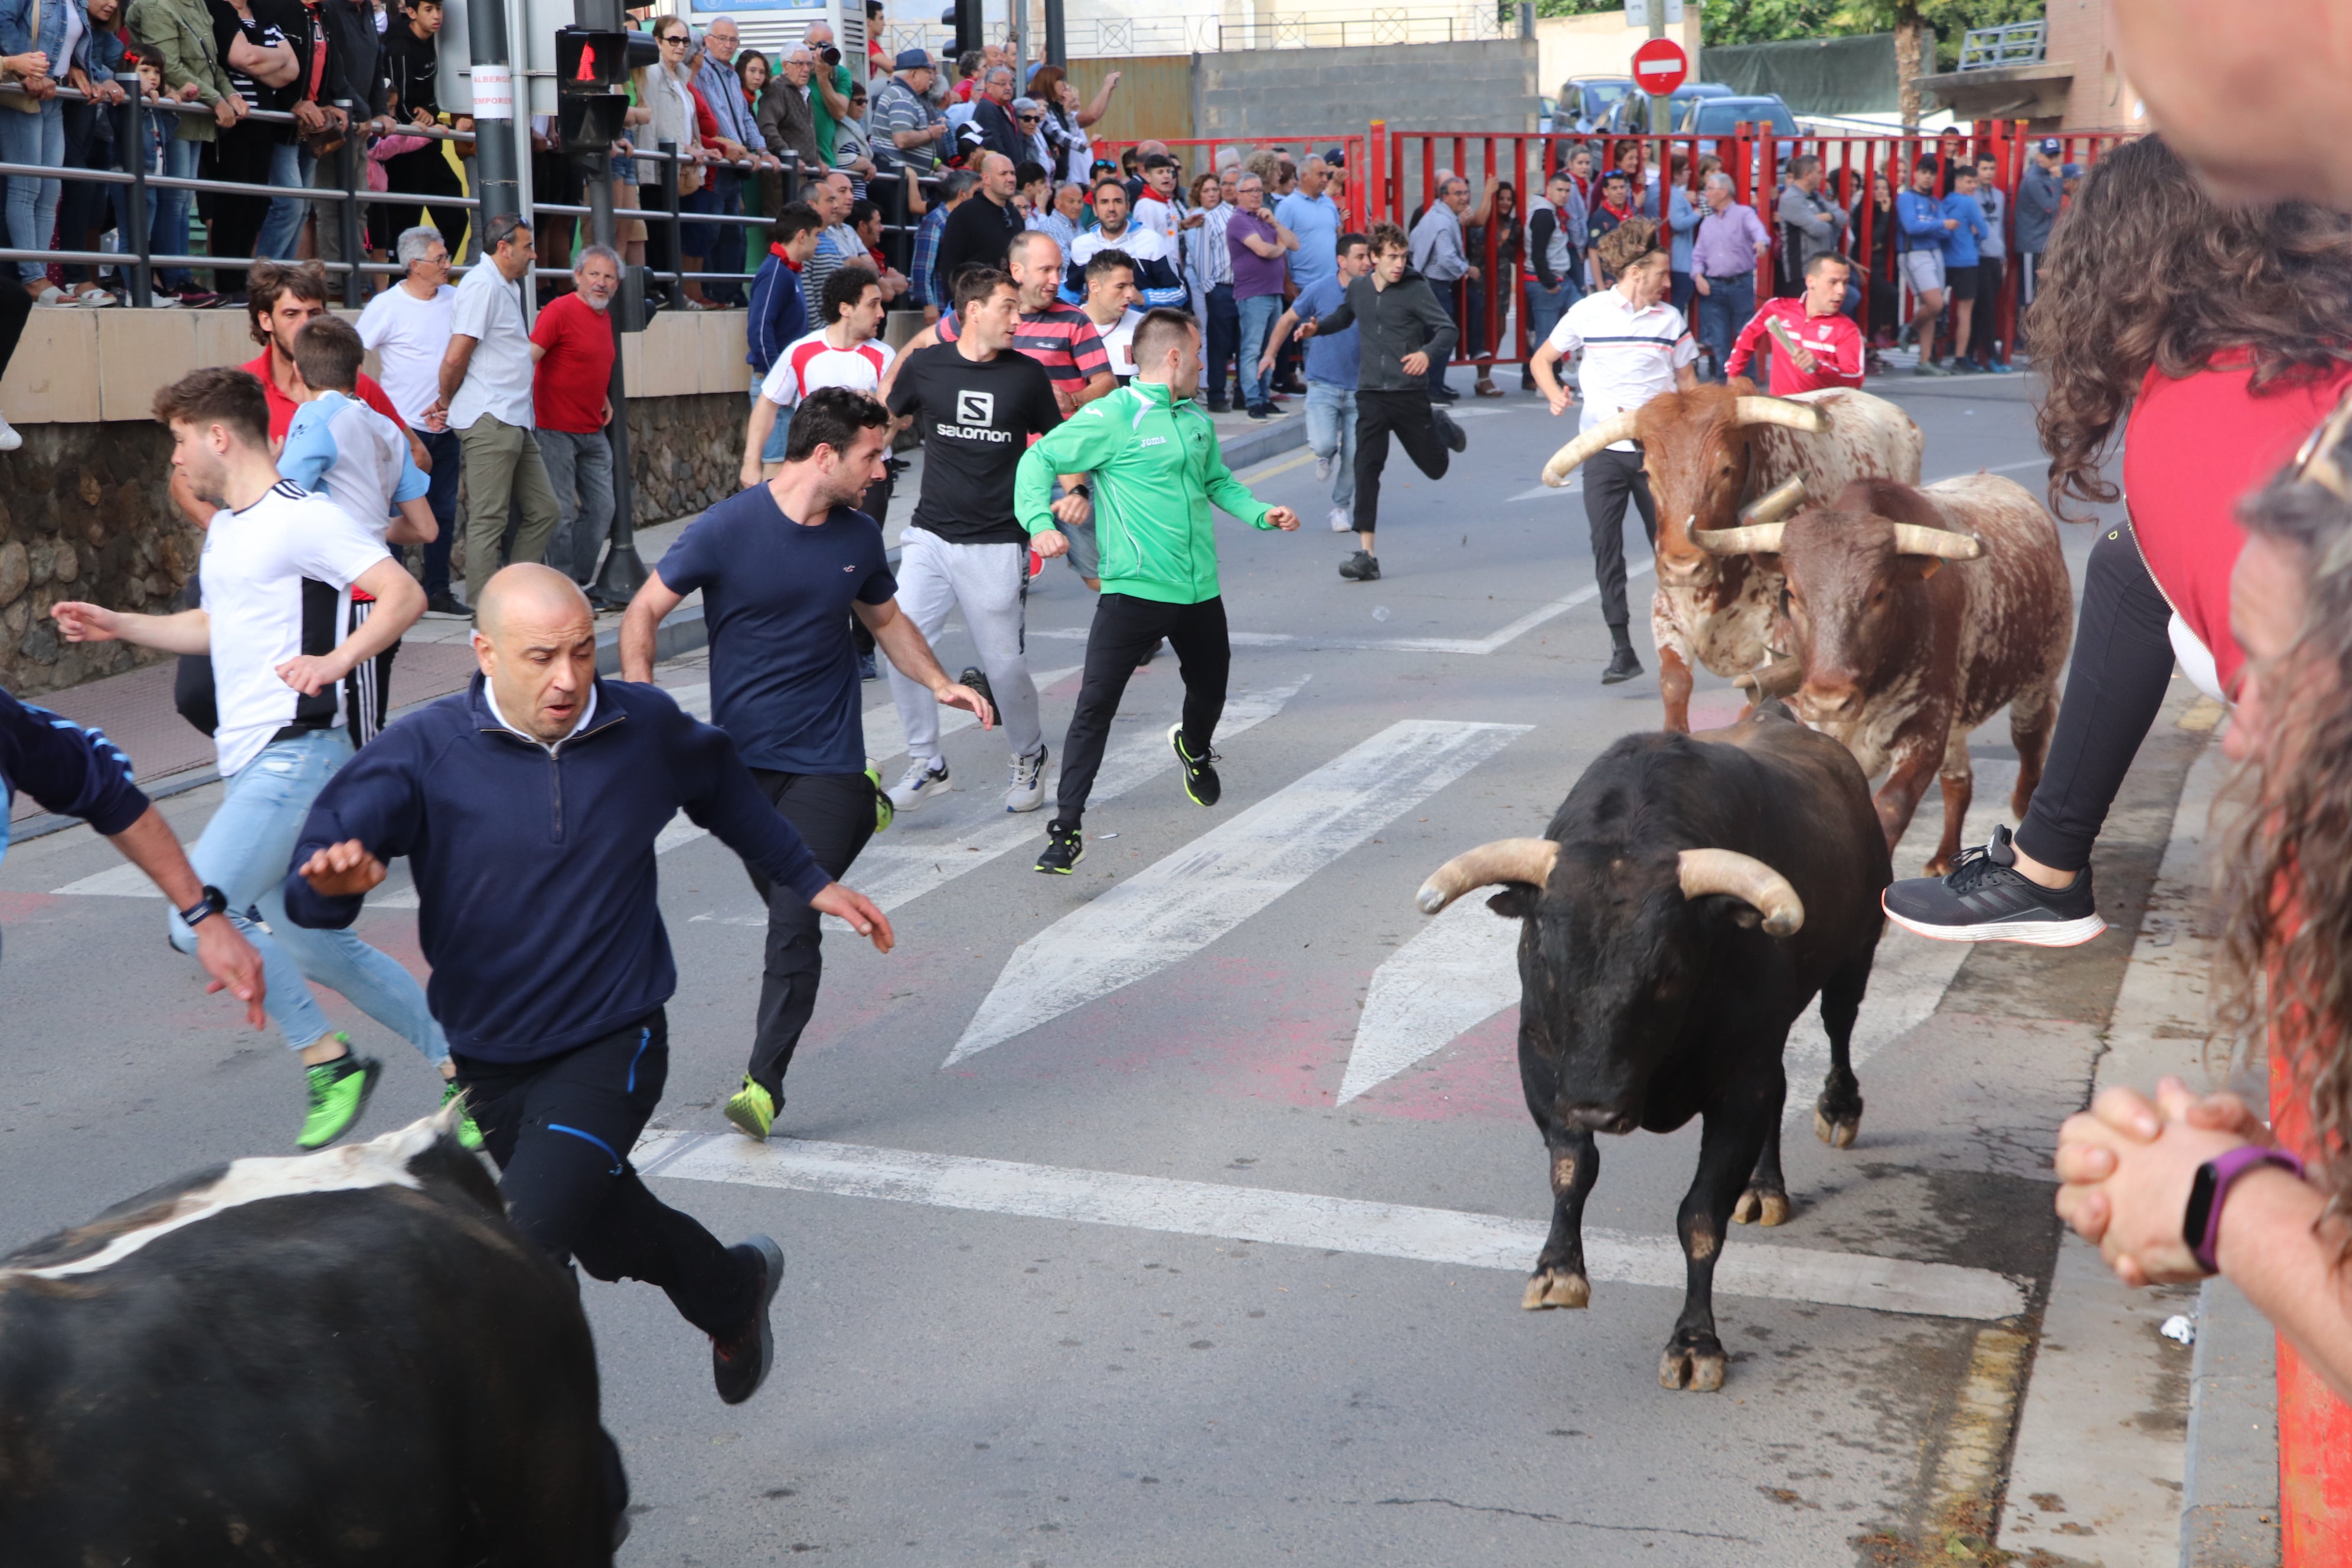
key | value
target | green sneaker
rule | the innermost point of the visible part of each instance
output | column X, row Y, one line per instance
column 468, row 1135
column 885, row 814
column 339, row 1093
column 752, row 1112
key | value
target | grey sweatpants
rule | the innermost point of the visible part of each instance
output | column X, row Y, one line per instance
column 989, row 584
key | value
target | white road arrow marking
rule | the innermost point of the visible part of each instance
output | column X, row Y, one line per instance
column 1456, row 972
column 1310, row 1220
column 1174, row 908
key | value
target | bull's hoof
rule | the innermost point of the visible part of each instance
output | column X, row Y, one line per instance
column 1940, row 867
column 1838, row 1132
column 1759, row 1203
column 1549, row 1288
column 1696, row 1367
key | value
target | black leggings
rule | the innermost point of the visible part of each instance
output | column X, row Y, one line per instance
column 2122, row 668
column 240, row 153
column 833, row 814
column 1612, row 478
column 1125, row 629
column 1377, row 414
column 560, row 1129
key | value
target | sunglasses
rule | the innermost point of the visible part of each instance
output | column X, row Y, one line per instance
column 2314, row 462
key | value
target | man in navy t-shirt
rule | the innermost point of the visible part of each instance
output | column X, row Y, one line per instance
column 781, row 568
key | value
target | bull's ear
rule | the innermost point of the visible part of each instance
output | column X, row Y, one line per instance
column 1517, row 901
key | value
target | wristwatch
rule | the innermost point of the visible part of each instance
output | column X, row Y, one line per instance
column 1086, row 491
column 213, row 902
column 2200, row 1222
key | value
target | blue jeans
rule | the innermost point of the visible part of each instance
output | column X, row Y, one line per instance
column 167, row 226
column 33, row 203
column 1258, row 314
column 1332, row 433
column 1723, row 311
column 448, row 463
column 244, row 852
column 281, row 230
column 1546, row 306
column 778, row 434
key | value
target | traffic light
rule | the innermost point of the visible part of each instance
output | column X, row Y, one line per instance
column 592, row 78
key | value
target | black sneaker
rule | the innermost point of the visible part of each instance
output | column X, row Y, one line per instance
column 740, row 1357
column 1987, row 898
column 1622, row 666
column 1448, row 431
column 1360, row 567
column 976, row 678
column 1221, row 406
column 1199, row 772
column 1064, row 848
column 446, row 606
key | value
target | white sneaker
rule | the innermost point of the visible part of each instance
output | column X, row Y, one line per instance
column 10, row 436
column 1323, row 462
column 919, row 784
column 1028, row 791
column 1341, row 522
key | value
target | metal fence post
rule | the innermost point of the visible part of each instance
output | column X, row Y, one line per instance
column 135, row 238
column 677, row 267
column 349, row 218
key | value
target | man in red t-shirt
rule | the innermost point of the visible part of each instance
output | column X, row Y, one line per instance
column 571, row 407
column 1827, row 346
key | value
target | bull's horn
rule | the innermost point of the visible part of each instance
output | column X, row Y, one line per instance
column 1746, row 878
column 1774, row 504
column 1504, row 860
column 1910, row 539
column 1608, row 433
column 1780, row 411
column 1759, row 539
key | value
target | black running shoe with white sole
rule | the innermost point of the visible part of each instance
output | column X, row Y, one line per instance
column 1199, row 772
column 1987, row 898
column 1064, row 848
column 740, row 1357
column 976, row 678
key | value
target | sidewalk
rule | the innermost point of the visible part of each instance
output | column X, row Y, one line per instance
column 436, row 658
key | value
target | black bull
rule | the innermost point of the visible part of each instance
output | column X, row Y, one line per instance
column 1691, row 897
column 348, row 1359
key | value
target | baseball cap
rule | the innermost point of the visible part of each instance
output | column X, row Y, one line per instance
column 1335, row 157
column 912, row 60
column 2049, row 146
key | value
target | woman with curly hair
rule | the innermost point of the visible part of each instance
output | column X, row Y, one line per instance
column 2182, row 1187
column 2213, row 339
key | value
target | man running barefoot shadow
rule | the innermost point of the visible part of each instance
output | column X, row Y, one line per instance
column 782, row 568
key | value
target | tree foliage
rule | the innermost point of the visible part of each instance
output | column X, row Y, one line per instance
column 1771, row 21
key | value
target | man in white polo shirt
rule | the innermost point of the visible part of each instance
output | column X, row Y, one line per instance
column 1635, row 346
column 485, row 394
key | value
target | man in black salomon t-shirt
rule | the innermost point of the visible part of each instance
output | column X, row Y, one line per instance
column 977, row 403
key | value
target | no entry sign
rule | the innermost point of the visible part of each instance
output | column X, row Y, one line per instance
column 1660, row 66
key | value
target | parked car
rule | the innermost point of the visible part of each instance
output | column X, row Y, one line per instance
column 1585, row 100
column 1720, row 116
column 1630, row 115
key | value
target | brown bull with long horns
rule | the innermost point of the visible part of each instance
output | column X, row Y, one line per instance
column 1715, row 456
column 1692, row 895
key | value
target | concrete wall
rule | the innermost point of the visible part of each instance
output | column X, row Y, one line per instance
column 1488, row 86
column 1153, row 99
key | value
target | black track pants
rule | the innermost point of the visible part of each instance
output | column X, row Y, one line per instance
column 1611, row 479
column 1406, row 414
column 560, row 1129
column 1125, row 629
column 834, row 815
column 2122, row 668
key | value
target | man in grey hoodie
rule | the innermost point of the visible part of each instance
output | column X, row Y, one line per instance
column 2038, row 196
column 1404, row 331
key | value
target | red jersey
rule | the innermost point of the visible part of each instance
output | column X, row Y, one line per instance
column 1833, row 341
column 282, row 407
column 2192, row 450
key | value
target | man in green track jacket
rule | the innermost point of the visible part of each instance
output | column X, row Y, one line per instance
column 1152, row 455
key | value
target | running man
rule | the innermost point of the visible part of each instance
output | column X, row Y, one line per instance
column 782, row 568
column 1061, row 338
column 278, row 567
column 527, row 806
column 1814, row 343
column 1332, row 370
column 1152, row 455
column 1404, row 331
column 1635, row 346
column 980, row 403
column 843, row 352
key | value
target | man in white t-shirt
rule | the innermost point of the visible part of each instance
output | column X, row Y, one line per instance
column 845, row 352
column 486, row 395
column 1636, row 346
column 279, row 567
column 407, row 327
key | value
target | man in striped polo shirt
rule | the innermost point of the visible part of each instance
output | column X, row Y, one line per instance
column 1636, row 346
column 1059, row 337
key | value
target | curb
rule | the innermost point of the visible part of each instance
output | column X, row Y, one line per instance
column 2230, row 1502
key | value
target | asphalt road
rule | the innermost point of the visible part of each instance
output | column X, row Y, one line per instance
column 1207, row 1244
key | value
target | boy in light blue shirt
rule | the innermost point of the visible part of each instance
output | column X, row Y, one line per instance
column 1964, row 230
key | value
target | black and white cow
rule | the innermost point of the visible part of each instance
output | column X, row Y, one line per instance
column 345, row 1358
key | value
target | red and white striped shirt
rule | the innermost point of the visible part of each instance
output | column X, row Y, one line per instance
column 811, row 364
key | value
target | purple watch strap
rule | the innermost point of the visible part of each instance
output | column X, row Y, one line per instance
column 2227, row 1169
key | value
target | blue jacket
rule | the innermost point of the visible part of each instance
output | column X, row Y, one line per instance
column 72, row 771
column 779, row 312
column 535, row 871
column 1922, row 221
column 1960, row 244
column 16, row 37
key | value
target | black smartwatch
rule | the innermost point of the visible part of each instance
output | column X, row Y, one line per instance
column 1086, row 491
column 213, row 902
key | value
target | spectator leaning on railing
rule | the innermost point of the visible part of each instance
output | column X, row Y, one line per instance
column 784, row 118
column 412, row 51
column 261, row 63
column 722, row 90
column 90, row 126
column 486, row 395
column 356, row 91
column 407, row 327
column 177, row 35
column 31, row 122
